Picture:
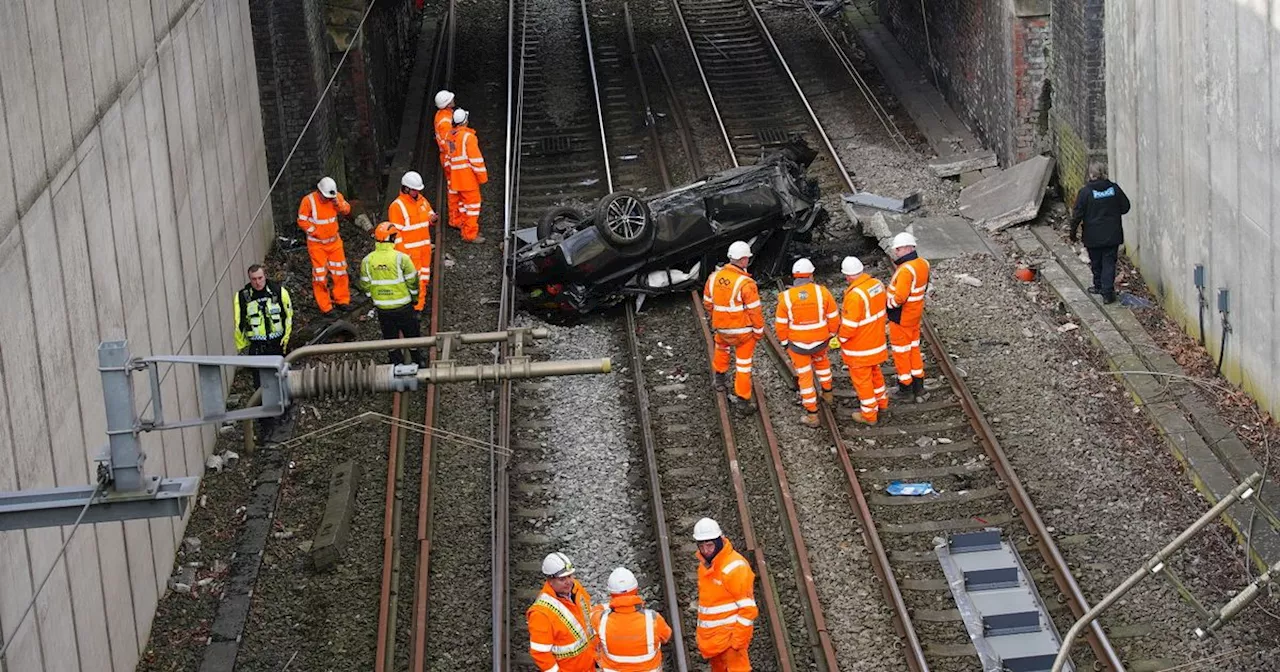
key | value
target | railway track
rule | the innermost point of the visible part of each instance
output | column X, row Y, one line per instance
column 743, row 70
column 399, row 547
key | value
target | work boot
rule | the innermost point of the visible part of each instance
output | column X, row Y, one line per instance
column 1095, row 290
column 828, row 397
column 903, row 390
column 742, row 406
column 810, row 419
column 1108, row 298
column 917, row 389
column 720, row 381
column 857, row 417
column 478, row 240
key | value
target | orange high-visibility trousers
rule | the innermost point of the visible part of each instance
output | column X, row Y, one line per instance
column 868, row 384
column 329, row 259
column 806, row 366
column 469, row 206
column 732, row 660
column 744, row 347
column 421, row 257
column 454, row 218
column 905, row 344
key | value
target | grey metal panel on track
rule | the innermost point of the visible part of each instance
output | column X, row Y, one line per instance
column 1002, row 611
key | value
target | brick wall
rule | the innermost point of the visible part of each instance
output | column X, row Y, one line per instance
column 297, row 43
column 989, row 58
column 1078, row 116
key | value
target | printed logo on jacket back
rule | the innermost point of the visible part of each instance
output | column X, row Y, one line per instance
column 1106, row 193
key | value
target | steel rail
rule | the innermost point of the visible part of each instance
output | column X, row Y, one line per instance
column 385, row 656
column 825, row 652
column 858, row 500
column 1062, row 577
column 751, row 545
column 426, row 494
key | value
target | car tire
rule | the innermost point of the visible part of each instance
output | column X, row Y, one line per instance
column 625, row 222
column 560, row 219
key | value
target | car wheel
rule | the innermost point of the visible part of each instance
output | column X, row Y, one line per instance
column 624, row 221
column 561, row 219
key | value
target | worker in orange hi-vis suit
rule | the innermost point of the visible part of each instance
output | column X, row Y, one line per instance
column 412, row 215
column 443, row 125
column 466, row 174
column 733, row 301
column 630, row 636
column 561, row 638
column 861, row 339
column 906, row 314
column 806, row 319
column 318, row 217
column 727, row 608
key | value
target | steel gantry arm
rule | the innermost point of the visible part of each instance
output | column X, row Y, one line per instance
column 124, row 491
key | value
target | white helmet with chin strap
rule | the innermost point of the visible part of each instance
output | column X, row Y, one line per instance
column 903, row 239
column 802, row 267
column 460, row 116
column 706, row 530
column 327, row 187
column 412, row 180
column 739, row 250
column 621, row 580
column 557, row 565
column 444, row 99
column 851, row 266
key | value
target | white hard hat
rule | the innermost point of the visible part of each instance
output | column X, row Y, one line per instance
column 328, row 188
column 556, row 565
column 444, row 98
column 460, row 116
column 706, row 530
column 739, row 250
column 851, row 266
column 903, row 239
column 802, row 267
column 412, row 180
column 621, row 580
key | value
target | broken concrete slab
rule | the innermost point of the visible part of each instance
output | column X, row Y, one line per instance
column 1012, row 197
column 970, row 178
column 952, row 165
column 870, row 200
column 939, row 237
column 330, row 541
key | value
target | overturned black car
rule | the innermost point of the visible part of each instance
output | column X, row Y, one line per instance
column 576, row 262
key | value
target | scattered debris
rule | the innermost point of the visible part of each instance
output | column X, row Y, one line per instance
column 900, row 489
column 968, row 279
column 191, row 545
column 363, row 221
column 1012, row 197
column 870, row 200
column 1070, row 326
column 952, row 165
column 1134, row 301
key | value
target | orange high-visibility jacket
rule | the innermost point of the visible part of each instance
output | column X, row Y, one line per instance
column 733, row 300
column 318, row 216
column 444, row 124
column 631, row 637
column 560, row 634
column 862, row 325
column 726, row 602
column 412, row 218
column 466, row 164
column 906, row 290
column 807, row 317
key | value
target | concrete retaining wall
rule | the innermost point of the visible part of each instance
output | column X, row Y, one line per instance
column 131, row 162
column 1193, row 119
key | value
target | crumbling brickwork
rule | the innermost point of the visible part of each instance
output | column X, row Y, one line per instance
column 989, row 58
column 297, row 44
column 1078, row 116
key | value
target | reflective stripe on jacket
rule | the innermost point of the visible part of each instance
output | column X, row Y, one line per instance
column 560, row 635
column 466, row 165
column 265, row 315
column 726, row 602
column 412, row 218
column 389, row 277
column 444, row 124
column 862, row 322
column 807, row 317
column 733, row 300
column 630, row 636
column 318, row 216
column 906, row 290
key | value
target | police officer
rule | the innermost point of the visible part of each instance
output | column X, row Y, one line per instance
column 1099, row 206
column 263, row 317
column 390, row 278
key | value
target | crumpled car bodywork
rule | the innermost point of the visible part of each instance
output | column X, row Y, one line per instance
column 577, row 262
